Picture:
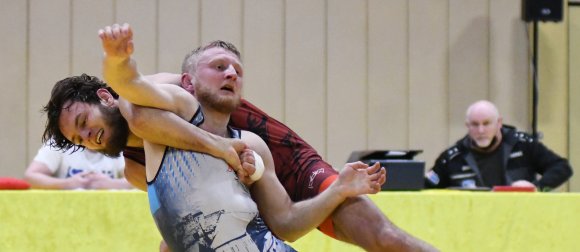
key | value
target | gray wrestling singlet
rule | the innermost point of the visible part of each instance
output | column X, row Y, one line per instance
column 199, row 205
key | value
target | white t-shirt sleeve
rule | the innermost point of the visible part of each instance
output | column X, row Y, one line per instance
column 50, row 157
column 120, row 166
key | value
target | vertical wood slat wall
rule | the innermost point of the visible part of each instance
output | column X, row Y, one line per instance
column 574, row 90
column 346, row 75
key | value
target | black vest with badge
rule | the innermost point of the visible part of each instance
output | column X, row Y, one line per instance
column 520, row 157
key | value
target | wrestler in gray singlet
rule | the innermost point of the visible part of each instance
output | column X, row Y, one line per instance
column 199, row 204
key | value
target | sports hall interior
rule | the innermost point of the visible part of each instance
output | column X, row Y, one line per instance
column 345, row 75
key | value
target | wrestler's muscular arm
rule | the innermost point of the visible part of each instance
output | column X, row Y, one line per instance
column 291, row 220
column 171, row 130
column 121, row 73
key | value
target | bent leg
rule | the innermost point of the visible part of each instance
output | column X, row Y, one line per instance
column 359, row 221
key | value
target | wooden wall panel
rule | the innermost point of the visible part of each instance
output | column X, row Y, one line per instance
column 179, row 32
column 553, row 83
column 305, row 71
column 468, row 60
column 222, row 19
column 428, row 58
column 142, row 15
column 263, row 57
column 388, row 69
column 87, row 18
column 49, row 60
column 346, row 79
column 509, row 63
column 574, row 90
column 345, row 75
column 13, row 69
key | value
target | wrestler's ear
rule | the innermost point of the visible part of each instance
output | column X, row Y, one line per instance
column 106, row 97
column 187, row 82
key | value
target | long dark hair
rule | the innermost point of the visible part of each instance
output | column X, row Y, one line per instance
column 81, row 88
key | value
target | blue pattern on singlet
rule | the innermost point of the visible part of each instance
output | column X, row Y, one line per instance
column 199, row 205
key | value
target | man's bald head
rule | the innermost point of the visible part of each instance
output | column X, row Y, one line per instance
column 483, row 122
column 482, row 107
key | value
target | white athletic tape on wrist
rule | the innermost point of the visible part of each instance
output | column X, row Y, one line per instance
column 259, row 165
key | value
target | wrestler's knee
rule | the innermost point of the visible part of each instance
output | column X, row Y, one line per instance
column 390, row 238
column 359, row 221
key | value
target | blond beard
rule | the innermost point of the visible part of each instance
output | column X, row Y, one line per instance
column 214, row 102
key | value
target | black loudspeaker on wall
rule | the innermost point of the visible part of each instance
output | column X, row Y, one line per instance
column 542, row 10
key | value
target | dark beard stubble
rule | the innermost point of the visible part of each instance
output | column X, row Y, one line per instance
column 119, row 131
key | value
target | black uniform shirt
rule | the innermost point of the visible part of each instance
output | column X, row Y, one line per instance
column 490, row 166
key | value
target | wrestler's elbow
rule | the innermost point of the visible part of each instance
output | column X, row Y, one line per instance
column 286, row 235
column 135, row 174
column 285, row 230
column 291, row 238
column 137, row 183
